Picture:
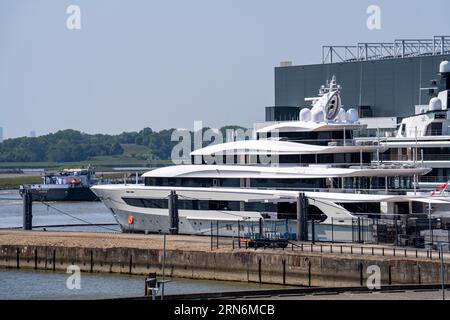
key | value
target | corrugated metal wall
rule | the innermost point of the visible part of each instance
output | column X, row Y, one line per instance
column 390, row 87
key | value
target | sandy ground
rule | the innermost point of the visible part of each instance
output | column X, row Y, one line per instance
column 103, row 240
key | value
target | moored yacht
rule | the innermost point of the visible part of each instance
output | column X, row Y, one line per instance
column 425, row 137
column 241, row 183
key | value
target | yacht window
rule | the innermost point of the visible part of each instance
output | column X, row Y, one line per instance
column 403, row 129
column 434, row 129
column 288, row 183
column 147, row 203
column 184, row 204
column 260, row 207
column 314, row 213
column 192, row 182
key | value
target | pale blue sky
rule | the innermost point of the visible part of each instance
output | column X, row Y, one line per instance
column 166, row 63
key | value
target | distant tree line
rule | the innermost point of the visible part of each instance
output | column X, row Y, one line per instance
column 71, row 145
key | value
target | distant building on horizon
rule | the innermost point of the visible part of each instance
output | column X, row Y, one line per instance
column 32, row 134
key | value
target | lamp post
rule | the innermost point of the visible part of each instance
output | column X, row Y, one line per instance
column 163, row 267
column 430, row 230
column 442, row 271
column 163, row 281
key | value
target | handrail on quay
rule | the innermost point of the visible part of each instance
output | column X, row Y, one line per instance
column 354, row 249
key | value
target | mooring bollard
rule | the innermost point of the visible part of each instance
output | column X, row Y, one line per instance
column 151, row 285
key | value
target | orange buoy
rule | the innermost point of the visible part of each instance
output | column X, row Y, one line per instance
column 130, row 220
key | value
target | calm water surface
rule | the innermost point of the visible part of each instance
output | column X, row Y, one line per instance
column 93, row 212
column 30, row 284
column 45, row 285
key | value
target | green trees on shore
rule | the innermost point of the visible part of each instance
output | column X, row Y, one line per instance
column 71, row 145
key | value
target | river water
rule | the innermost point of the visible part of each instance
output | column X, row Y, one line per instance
column 49, row 285
column 57, row 213
column 30, row 284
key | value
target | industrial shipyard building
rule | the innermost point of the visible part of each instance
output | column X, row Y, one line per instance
column 378, row 79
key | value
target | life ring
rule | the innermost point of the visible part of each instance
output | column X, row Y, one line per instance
column 130, row 220
column 76, row 182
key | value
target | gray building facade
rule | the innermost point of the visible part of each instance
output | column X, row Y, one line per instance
column 377, row 88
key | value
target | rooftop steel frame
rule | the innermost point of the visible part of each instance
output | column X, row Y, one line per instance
column 400, row 48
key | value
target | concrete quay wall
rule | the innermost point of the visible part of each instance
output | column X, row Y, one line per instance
column 274, row 267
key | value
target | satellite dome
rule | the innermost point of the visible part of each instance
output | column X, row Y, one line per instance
column 352, row 115
column 444, row 67
column 342, row 115
column 435, row 104
column 317, row 115
column 305, row 115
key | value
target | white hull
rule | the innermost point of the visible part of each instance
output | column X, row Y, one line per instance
column 337, row 227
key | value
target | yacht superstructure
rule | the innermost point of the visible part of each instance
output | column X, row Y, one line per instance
column 425, row 137
column 243, row 182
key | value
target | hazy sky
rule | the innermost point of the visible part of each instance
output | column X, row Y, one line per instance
column 166, row 63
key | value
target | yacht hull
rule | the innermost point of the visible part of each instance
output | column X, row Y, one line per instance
column 210, row 222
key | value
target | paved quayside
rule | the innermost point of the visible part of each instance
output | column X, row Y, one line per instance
column 193, row 257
